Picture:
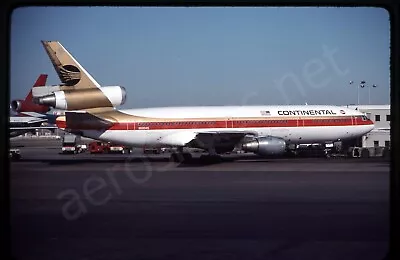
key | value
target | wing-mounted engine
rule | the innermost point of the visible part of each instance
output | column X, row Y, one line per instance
column 76, row 99
column 267, row 145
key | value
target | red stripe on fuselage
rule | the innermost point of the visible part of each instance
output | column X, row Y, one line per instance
column 61, row 124
column 348, row 121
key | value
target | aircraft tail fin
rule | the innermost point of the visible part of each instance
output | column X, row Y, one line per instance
column 27, row 105
column 41, row 81
column 79, row 89
column 70, row 72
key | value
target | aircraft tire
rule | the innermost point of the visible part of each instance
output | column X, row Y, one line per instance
column 181, row 158
column 206, row 159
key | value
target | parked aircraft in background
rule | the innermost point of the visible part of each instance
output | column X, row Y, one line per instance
column 27, row 105
column 91, row 112
column 26, row 121
column 23, row 124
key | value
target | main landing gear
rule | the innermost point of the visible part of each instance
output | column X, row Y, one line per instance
column 180, row 156
column 210, row 158
column 184, row 157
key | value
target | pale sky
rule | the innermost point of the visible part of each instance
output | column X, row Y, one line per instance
column 212, row 56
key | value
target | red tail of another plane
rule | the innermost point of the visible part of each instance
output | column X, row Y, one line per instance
column 27, row 105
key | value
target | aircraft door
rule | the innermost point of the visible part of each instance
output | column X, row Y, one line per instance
column 229, row 122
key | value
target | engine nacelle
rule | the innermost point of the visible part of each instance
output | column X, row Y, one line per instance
column 16, row 105
column 76, row 99
column 267, row 145
column 27, row 106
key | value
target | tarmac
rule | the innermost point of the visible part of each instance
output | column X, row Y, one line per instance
column 133, row 206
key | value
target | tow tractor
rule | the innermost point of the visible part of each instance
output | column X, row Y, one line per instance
column 151, row 150
column 115, row 148
column 14, row 154
column 103, row 147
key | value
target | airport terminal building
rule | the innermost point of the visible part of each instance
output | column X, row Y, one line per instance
column 380, row 115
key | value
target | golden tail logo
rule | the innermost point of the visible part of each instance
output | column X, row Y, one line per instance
column 70, row 72
column 80, row 89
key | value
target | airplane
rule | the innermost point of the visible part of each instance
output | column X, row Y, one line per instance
column 91, row 111
column 28, row 105
column 30, row 115
column 20, row 125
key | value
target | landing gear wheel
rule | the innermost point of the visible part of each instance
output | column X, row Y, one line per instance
column 187, row 157
column 176, row 157
column 210, row 158
column 181, row 157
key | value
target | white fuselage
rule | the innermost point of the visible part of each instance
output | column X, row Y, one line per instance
column 296, row 133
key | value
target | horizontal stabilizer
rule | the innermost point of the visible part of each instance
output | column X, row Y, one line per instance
column 85, row 121
column 43, row 91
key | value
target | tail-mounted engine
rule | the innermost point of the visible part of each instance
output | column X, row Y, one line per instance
column 16, row 105
column 268, row 145
column 76, row 99
column 27, row 106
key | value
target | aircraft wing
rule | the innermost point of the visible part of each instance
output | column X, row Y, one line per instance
column 16, row 121
column 20, row 130
column 20, row 125
column 382, row 129
column 50, row 118
column 205, row 139
column 32, row 128
column 33, row 114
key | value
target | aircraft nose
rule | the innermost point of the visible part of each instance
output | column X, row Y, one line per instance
column 371, row 125
column 371, row 122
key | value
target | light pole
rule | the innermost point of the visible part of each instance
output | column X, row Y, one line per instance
column 362, row 84
column 358, row 92
column 369, row 93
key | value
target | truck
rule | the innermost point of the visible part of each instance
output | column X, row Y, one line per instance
column 70, row 144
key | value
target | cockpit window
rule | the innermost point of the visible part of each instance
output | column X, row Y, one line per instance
column 364, row 118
